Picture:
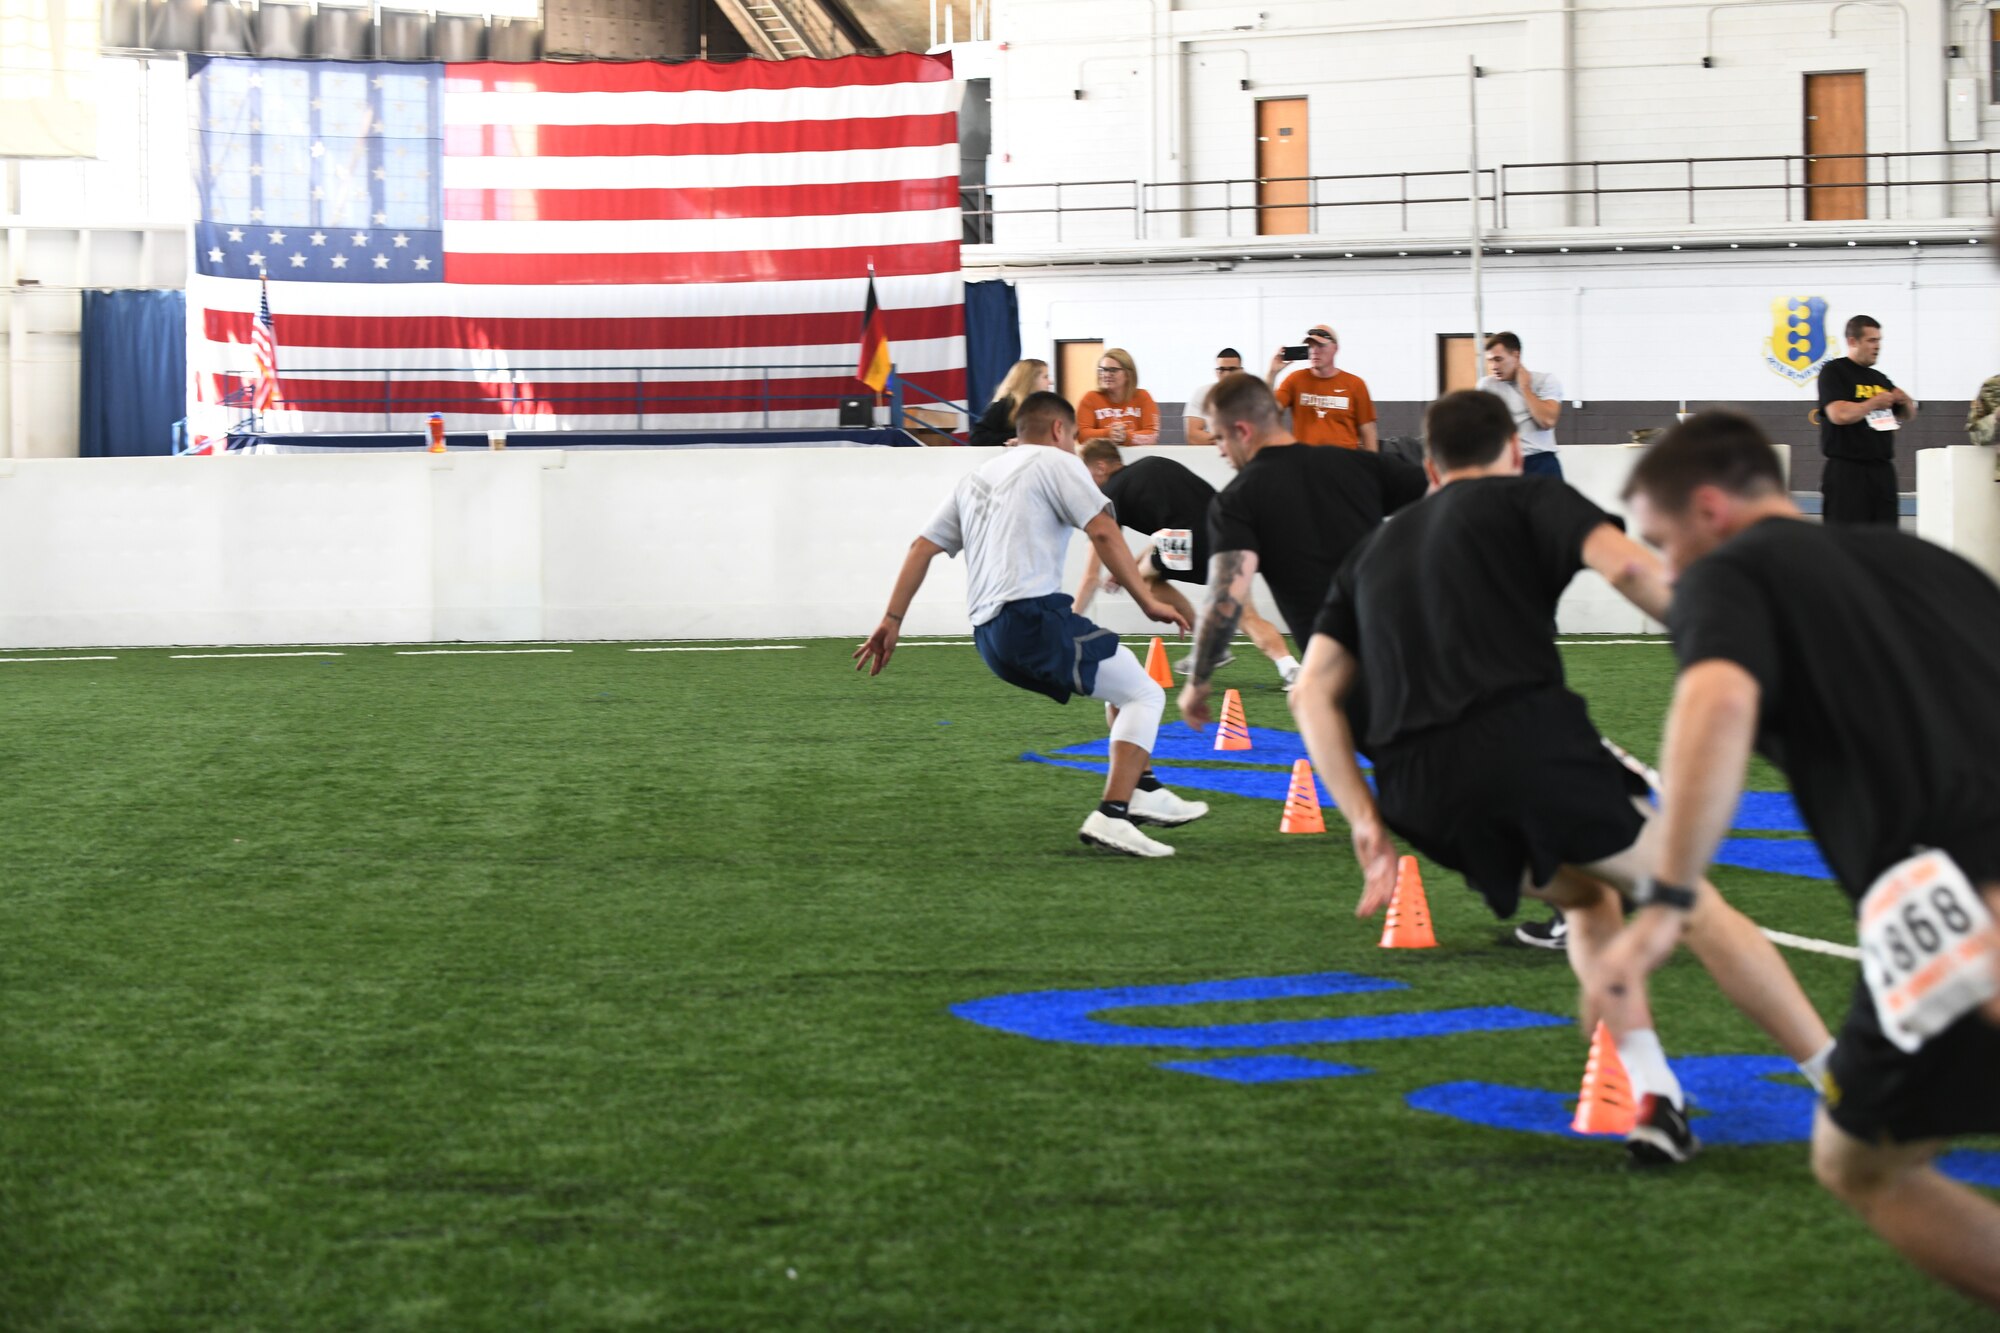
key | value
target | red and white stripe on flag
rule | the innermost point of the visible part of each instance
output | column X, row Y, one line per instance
column 689, row 243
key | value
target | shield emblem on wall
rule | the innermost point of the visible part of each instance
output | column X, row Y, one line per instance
column 1797, row 345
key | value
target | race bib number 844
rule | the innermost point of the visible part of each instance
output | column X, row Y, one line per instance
column 1176, row 548
column 1926, row 948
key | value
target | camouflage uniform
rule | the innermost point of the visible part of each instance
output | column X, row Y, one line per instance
column 1982, row 424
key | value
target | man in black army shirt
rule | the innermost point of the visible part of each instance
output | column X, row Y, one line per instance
column 1860, row 411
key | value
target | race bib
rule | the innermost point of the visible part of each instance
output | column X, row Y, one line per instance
column 1925, row 950
column 1176, row 548
column 1884, row 418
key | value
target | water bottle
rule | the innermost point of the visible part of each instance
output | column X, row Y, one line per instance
column 437, row 432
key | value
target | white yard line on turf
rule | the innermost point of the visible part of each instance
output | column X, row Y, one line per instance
column 736, row 648
column 1827, row 947
column 58, row 659
column 475, row 652
column 1592, row 643
column 194, row 656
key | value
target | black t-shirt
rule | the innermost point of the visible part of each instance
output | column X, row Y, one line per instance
column 1302, row 508
column 1449, row 608
column 995, row 425
column 1841, row 381
column 1156, row 493
column 1878, row 657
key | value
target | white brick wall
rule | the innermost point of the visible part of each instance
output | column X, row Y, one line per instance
column 1629, row 327
column 1623, row 79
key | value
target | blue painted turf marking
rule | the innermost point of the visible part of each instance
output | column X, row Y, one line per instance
column 1263, row 774
column 1072, row 1015
column 1258, row 784
column 1973, row 1166
column 1263, row 1068
column 1734, row 1102
column 1778, row 856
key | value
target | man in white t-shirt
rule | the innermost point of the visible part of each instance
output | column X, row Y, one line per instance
column 1534, row 397
column 1012, row 518
column 1194, row 416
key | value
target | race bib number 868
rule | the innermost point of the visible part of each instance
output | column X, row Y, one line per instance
column 1926, row 948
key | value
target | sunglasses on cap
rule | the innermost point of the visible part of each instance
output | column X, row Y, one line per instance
column 1319, row 336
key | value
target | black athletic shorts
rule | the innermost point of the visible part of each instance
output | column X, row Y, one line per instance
column 1519, row 788
column 1950, row 1086
column 1857, row 491
column 1199, row 574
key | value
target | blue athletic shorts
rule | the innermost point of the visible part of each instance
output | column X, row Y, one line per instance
column 1041, row 644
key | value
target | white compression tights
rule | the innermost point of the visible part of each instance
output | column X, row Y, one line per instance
column 1124, row 684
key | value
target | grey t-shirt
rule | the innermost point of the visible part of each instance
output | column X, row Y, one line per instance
column 1534, row 439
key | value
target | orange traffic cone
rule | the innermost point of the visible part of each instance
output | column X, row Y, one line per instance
column 1302, row 803
column 1605, row 1105
column 1234, row 733
column 1408, row 925
column 1156, row 665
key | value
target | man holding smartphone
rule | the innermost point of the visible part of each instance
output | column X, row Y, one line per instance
column 1327, row 405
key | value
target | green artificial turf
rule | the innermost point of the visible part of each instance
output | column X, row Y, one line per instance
column 610, row 990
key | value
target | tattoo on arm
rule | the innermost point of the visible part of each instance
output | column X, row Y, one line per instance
column 1219, row 621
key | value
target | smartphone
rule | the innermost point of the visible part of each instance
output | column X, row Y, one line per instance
column 1299, row 353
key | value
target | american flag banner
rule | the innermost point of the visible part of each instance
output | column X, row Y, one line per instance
column 264, row 351
column 556, row 245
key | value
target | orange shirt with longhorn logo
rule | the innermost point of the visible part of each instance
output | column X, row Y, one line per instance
column 1327, row 411
column 1095, row 413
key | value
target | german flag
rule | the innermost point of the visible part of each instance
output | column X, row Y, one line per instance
column 874, row 367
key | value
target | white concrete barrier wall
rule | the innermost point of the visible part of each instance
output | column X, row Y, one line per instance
column 709, row 543
column 1958, row 503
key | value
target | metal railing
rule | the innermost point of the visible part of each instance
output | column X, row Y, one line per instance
column 1782, row 186
column 777, row 389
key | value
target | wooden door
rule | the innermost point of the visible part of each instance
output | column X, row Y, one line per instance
column 1076, row 366
column 1836, row 122
column 1458, row 363
column 1283, row 160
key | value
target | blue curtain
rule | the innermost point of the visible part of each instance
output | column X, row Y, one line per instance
column 992, row 339
column 134, row 372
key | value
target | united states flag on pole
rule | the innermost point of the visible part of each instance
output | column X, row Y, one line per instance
column 570, row 245
column 264, row 350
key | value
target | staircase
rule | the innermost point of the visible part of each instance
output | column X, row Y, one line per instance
column 783, row 39
column 789, row 29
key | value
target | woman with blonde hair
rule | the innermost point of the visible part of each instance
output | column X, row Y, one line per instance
column 996, row 426
column 1118, row 410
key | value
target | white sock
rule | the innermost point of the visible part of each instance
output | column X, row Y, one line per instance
column 1287, row 665
column 1646, row 1065
column 1815, row 1068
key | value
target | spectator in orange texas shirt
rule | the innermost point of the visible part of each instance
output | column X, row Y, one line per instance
column 1327, row 405
column 1118, row 410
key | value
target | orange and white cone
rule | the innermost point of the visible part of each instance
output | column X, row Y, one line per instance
column 1408, row 925
column 1234, row 733
column 1302, row 803
column 1605, row 1104
column 1156, row 665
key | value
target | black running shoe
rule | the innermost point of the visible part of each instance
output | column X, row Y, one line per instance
column 1550, row 934
column 1663, row 1135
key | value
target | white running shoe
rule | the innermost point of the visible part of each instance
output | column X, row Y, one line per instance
column 1119, row 835
column 1290, row 677
column 1186, row 664
column 1164, row 808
